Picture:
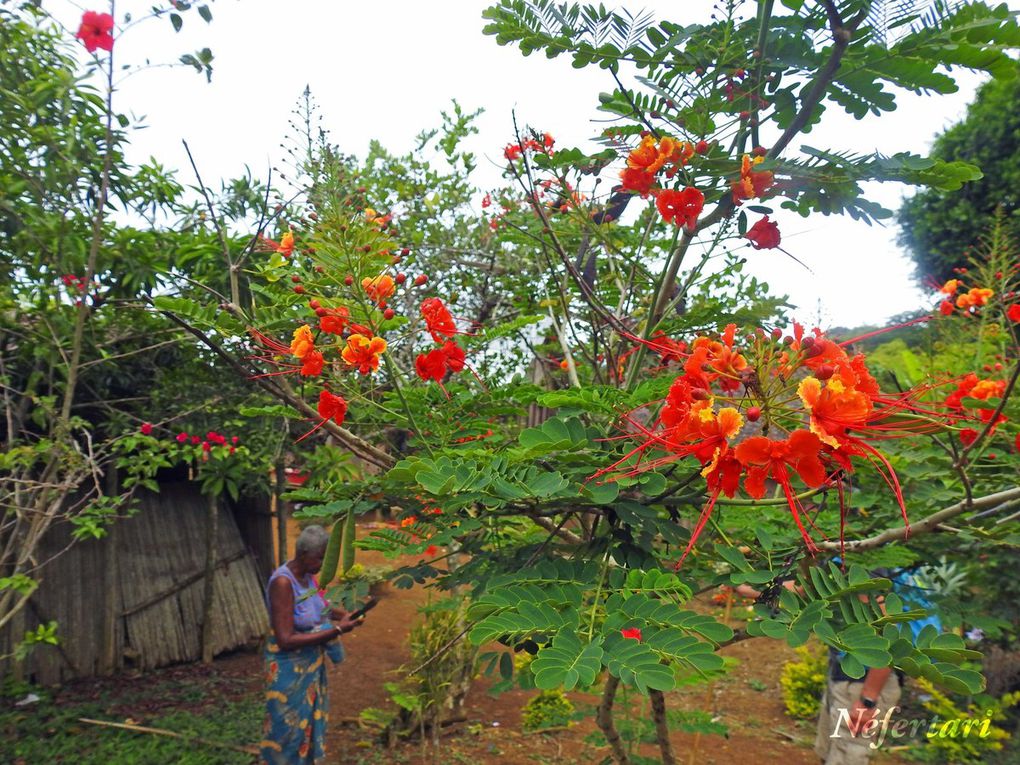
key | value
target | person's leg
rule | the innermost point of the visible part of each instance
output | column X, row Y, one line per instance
column 825, row 724
column 845, row 748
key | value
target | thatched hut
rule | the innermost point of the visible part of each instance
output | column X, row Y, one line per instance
column 133, row 600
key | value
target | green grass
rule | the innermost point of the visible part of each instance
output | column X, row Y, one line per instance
column 49, row 733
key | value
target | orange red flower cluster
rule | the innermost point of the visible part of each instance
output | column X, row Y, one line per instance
column 514, row 151
column 664, row 155
column 819, row 409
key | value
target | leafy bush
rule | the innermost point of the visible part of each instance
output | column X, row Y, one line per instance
column 803, row 682
column 549, row 709
column 955, row 742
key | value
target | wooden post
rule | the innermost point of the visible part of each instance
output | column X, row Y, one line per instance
column 208, row 596
column 111, row 605
column 282, row 514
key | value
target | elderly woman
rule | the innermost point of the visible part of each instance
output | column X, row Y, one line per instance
column 297, row 705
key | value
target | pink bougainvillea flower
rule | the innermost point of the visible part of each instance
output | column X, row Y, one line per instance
column 96, row 31
column 631, row 633
column 764, row 234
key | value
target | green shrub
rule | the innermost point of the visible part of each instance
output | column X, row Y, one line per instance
column 549, row 709
column 803, row 682
column 955, row 742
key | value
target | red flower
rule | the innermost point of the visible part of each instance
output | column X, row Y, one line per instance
column 332, row 407
column 512, row 151
column 195, row 440
column 182, row 437
column 311, row 364
column 96, row 31
column 486, row 201
column 1013, row 312
column 968, row 436
column 632, row 633
column 431, row 365
column 438, row 319
column 146, row 428
column 764, row 234
column 637, row 180
column 681, row 208
column 335, row 320
column 945, row 308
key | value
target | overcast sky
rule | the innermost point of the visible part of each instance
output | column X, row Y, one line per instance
column 384, row 70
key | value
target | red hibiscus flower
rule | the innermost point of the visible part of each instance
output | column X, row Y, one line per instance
column 681, row 208
column 764, row 234
column 96, row 31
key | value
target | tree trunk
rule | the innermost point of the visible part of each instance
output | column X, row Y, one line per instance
column 282, row 514
column 661, row 726
column 604, row 719
column 211, row 533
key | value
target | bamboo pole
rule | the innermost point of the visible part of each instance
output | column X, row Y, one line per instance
column 171, row 734
column 208, row 596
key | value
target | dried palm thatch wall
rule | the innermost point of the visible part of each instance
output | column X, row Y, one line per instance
column 133, row 600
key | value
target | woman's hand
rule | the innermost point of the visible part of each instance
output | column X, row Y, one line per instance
column 346, row 623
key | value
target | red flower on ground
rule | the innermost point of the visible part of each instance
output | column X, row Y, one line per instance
column 681, row 208
column 96, row 31
column 764, row 234
column 631, row 633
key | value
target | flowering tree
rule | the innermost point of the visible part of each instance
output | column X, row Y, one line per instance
column 624, row 417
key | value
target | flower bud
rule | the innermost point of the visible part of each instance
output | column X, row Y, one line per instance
column 825, row 371
column 753, row 413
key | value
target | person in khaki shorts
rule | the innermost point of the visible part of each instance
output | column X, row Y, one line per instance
column 851, row 712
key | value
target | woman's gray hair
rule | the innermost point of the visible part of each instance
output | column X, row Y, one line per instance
column 312, row 540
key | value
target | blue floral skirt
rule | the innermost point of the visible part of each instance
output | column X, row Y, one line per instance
column 297, row 706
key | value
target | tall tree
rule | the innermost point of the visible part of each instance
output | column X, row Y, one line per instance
column 938, row 227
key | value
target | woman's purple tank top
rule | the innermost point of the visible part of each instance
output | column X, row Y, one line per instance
column 308, row 603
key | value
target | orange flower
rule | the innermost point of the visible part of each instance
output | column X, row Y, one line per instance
column 974, row 297
column 285, row 246
column 834, row 409
column 363, row 352
column 379, row 288
column 648, row 156
column 752, row 183
column 716, row 360
column 332, row 407
column 950, row 287
column 408, row 521
column 303, row 343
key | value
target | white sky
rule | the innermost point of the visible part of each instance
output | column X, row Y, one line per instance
column 386, row 69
